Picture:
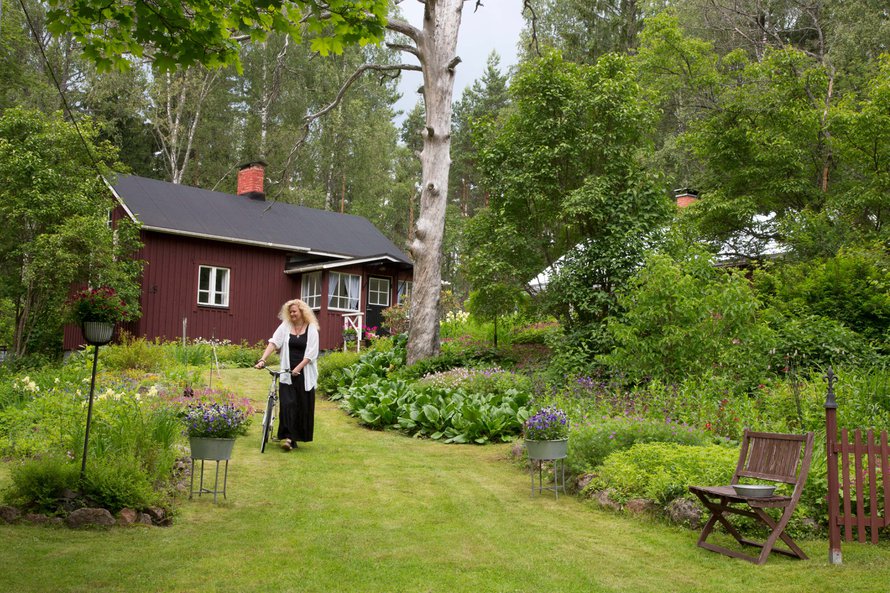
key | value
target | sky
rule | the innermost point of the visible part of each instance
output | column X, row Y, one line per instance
column 494, row 26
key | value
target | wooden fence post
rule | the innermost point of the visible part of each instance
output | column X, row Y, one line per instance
column 834, row 528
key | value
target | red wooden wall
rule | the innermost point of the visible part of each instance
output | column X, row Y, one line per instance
column 258, row 287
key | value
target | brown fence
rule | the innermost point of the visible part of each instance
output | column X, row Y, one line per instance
column 858, row 480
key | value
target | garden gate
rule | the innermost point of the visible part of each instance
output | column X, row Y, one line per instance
column 858, row 493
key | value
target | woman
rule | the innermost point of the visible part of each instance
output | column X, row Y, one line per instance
column 296, row 340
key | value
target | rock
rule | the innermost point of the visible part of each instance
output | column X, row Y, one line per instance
column 583, row 480
column 90, row 517
column 126, row 517
column 38, row 519
column 605, row 500
column 639, row 505
column 157, row 514
column 517, row 450
column 143, row 519
column 685, row 512
column 9, row 514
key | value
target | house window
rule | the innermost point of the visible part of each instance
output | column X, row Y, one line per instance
column 378, row 292
column 405, row 289
column 311, row 289
column 344, row 291
column 213, row 286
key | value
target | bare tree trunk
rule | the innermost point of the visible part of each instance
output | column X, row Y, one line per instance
column 436, row 45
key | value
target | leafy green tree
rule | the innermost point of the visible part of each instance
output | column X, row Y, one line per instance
column 685, row 318
column 565, row 181
column 851, row 287
column 585, row 30
column 54, row 212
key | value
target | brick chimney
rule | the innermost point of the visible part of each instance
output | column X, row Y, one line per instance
column 685, row 197
column 250, row 180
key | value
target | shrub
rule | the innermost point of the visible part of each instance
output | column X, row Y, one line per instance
column 240, row 356
column 330, row 370
column 193, row 354
column 591, row 442
column 663, row 471
column 536, row 333
column 133, row 353
column 685, row 318
column 119, row 481
column 38, row 484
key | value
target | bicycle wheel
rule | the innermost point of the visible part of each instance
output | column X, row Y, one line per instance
column 268, row 417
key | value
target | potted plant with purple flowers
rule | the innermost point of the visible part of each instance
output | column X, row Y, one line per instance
column 212, row 428
column 547, row 434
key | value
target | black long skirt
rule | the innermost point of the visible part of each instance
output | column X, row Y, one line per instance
column 297, row 418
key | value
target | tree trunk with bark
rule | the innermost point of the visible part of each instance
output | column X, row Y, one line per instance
column 436, row 45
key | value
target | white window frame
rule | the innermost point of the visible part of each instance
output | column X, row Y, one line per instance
column 310, row 290
column 335, row 299
column 409, row 288
column 210, row 294
column 376, row 296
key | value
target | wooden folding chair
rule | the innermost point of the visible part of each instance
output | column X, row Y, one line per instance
column 766, row 457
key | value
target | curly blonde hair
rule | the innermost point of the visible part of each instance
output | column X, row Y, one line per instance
column 305, row 311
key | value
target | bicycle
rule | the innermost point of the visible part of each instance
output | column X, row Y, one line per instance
column 271, row 403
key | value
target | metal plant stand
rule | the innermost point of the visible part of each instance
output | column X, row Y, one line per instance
column 216, row 490
column 558, row 465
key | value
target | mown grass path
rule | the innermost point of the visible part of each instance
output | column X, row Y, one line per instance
column 362, row 511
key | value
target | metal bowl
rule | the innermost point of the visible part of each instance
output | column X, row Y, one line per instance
column 754, row 490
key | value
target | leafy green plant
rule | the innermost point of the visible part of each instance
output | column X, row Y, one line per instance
column 662, row 472
column 133, row 353
column 37, row 484
column 330, row 370
column 118, row 481
column 439, row 413
column 591, row 442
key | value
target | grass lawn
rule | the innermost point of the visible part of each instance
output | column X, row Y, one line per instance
column 363, row 511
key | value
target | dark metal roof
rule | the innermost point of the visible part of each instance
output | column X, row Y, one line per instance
column 168, row 207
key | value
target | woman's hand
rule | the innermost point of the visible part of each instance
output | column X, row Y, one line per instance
column 261, row 364
column 295, row 372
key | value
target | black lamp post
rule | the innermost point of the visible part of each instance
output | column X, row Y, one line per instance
column 96, row 333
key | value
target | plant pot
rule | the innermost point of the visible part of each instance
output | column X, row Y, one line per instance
column 210, row 448
column 97, row 333
column 557, row 449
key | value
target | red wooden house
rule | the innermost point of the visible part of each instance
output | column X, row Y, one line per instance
column 220, row 266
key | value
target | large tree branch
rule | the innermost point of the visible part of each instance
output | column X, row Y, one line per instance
column 307, row 121
column 405, row 28
column 533, row 21
column 405, row 48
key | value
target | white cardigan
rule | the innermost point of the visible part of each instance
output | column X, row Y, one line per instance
column 310, row 371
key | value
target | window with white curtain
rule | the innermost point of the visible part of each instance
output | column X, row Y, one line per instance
column 344, row 291
column 378, row 292
column 213, row 286
column 311, row 290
